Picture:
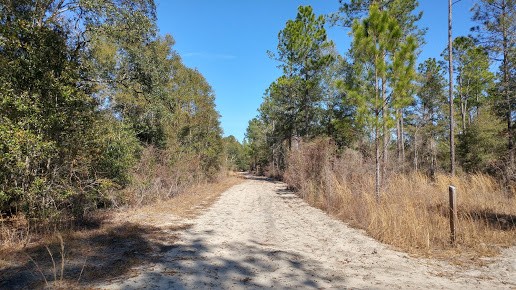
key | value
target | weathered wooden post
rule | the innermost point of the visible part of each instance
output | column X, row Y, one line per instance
column 453, row 214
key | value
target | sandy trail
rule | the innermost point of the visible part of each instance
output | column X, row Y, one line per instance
column 257, row 235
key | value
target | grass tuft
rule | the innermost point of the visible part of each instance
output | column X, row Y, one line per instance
column 413, row 211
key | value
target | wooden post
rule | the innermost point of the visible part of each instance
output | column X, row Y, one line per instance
column 453, row 214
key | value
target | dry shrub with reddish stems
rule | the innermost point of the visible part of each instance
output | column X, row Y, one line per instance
column 412, row 213
column 160, row 175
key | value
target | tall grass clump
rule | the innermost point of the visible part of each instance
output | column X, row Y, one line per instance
column 412, row 213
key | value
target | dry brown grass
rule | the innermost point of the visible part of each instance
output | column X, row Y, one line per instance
column 194, row 200
column 110, row 244
column 413, row 211
column 187, row 204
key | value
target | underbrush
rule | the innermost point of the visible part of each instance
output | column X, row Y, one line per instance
column 158, row 176
column 108, row 245
column 412, row 213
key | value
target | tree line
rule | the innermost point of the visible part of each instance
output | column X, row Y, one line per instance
column 88, row 87
column 376, row 98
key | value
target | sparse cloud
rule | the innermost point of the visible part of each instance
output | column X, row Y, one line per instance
column 208, row 55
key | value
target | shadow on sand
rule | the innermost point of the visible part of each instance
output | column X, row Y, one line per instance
column 103, row 255
column 113, row 255
column 195, row 267
column 93, row 255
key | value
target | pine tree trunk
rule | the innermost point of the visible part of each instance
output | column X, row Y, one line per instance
column 402, row 135
column 433, row 158
column 376, row 139
column 450, row 90
column 505, row 65
column 463, row 115
column 415, row 151
column 377, row 159
column 385, row 134
column 398, row 137
column 462, row 105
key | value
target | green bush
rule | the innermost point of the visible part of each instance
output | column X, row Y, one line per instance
column 120, row 151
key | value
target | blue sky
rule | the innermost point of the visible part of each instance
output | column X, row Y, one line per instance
column 227, row 41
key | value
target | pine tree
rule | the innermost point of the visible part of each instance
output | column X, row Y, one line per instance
column 305, row 53
column 473, row 78
column 372, row 38
column 428, row 116
column 496, row 28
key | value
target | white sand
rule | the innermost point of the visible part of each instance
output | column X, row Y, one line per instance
column 258, row 235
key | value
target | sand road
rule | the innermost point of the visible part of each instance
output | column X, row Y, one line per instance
column 258, row 235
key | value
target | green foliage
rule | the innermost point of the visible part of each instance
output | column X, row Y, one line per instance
column 258, row 148
column 119, row 151
column 46, row 117
column 360, row 101
column 136, row 88
column 401, row 10
column 431, row 91
column 305, row 54
column 480, row 148
column 296, row 105
column 236, row 157
column 281, row 107
column 303, row 43
column 84, row 87
column 496, row 33
column 428, row 118
column 473, row 78
column 372, row 38
column 197, row 128
column 343, row 123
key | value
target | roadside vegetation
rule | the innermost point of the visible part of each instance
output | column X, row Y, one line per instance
column 413, row 213
column 366, row 135
column 111, row 244
column 97, row 111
